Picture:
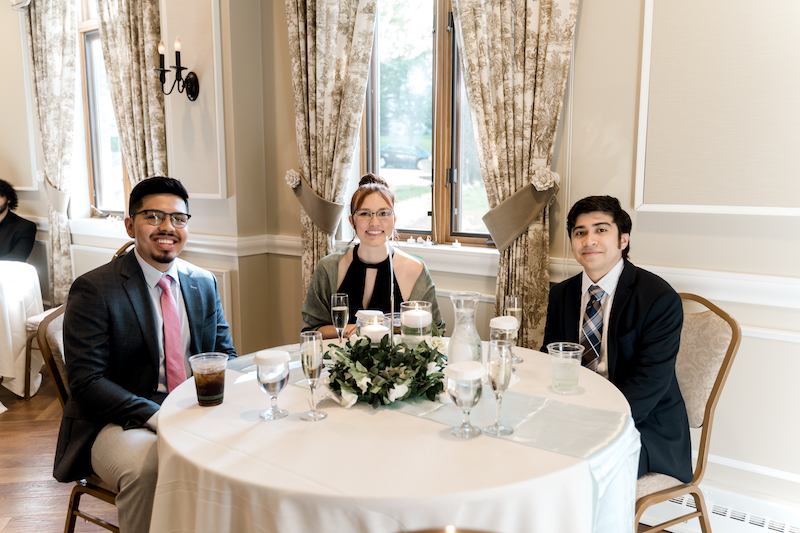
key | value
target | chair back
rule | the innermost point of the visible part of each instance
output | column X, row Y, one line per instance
column 124, row 249
column 51, row 343
column 709, row 342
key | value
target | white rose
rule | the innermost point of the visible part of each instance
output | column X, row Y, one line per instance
column 440, row 344
column 363, row 383
column 349, row 398
column 432, row 368
column 398, row 391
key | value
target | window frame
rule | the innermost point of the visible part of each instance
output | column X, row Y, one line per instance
column 88, row 25
column 446, row 131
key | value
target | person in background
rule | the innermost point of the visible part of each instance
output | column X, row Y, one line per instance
column 629, row 322
column 129, row 329
column 362, row 270
column 17, row 235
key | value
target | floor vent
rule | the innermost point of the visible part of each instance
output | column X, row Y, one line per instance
column 757, row 521
column 777, row 526
column 738, row 515
column 719, row 510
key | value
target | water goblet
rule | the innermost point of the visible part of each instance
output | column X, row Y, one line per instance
column 499, row 375
column 311, row 357
column 464, row 386
column 340, row 313
column 512, row 306
column 273, row 374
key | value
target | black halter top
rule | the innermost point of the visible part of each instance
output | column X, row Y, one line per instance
column 353, row 285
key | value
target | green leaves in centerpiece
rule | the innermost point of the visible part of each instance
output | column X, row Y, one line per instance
column 381, row 374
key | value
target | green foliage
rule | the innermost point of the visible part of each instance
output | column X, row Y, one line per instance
column 382, row 373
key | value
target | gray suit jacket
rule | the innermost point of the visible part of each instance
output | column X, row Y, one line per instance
column 111, row 350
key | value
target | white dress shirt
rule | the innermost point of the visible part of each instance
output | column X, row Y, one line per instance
column 151, row 278
column 609, row 285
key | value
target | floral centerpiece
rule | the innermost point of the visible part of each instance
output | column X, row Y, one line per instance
column 381, row 373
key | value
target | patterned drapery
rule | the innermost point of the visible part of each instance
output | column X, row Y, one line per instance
column 515, row 56
column 129, row 35
column 52, row 28
column 330, row 43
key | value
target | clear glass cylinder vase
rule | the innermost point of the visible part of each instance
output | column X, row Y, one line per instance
column 465, row 343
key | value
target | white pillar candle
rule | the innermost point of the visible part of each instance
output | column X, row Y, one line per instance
column 375, row 332
column 417, row 318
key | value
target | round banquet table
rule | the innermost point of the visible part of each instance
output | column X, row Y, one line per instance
column 361, row 469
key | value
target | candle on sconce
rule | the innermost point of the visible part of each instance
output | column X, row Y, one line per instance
column 161, row 50
column 178, row 54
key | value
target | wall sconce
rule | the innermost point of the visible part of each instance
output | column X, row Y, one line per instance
column 191, row 84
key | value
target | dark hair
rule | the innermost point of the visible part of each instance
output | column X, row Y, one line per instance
column 8, row 192
column 604, row 204
column 156, row 185
column 369, row 184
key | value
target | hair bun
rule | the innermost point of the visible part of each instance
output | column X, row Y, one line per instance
column 366, row 179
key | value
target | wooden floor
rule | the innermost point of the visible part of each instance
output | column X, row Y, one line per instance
column 30, row 499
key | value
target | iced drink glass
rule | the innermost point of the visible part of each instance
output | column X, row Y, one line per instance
column 565, row 362
column 209, row 377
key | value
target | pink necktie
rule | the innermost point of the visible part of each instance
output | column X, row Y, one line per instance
column 173, row 347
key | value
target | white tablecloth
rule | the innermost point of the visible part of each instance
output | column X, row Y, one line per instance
column 20, row 298
column 364, row 470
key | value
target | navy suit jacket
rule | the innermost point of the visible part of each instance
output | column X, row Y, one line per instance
column 644, row 333
column 111, row 350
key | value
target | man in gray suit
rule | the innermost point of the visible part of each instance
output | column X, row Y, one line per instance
column 120, row 363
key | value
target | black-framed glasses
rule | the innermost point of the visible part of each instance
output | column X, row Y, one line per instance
column 154, row 217
column 366, row 214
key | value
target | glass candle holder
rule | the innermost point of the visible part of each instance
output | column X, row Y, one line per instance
column 416, row 319
column 375, row 327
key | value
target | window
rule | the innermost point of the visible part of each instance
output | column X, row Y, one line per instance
column 107, row 175
column 418, row 134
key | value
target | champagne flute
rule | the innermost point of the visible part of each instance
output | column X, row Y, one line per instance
column 464, row 386
column 513, row 307
column 311, row 356
column 273, row 374
column 340, row 313
column 499, row 375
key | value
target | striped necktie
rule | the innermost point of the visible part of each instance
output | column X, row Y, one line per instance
column 173, row 347
column 592, row 328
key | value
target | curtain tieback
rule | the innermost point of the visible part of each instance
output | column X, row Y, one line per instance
column 512, row 217
column 323, row 213
column 59, row 200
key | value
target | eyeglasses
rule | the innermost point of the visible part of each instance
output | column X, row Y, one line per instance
column 365, row 214
column 154, row 217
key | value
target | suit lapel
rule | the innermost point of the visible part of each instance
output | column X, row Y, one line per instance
column 572, row 309
column 135, row 286
column 621, row 297
column 194, row 306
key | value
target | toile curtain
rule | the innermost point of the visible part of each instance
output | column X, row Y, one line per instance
column 330, row 43
column 129, row 35
column 52, row 28
column 515, row 57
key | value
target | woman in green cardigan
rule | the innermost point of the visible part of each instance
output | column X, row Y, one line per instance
column 363, row 270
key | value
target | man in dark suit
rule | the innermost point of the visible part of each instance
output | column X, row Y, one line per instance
column 17, row 235
column 629, row 321
column 120, row 362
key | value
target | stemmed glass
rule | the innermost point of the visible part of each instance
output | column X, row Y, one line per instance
column 465, row 385
column 340, row 313
column 311, row 356
column 513, row 307
column 499, row 375
column 273, row 374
